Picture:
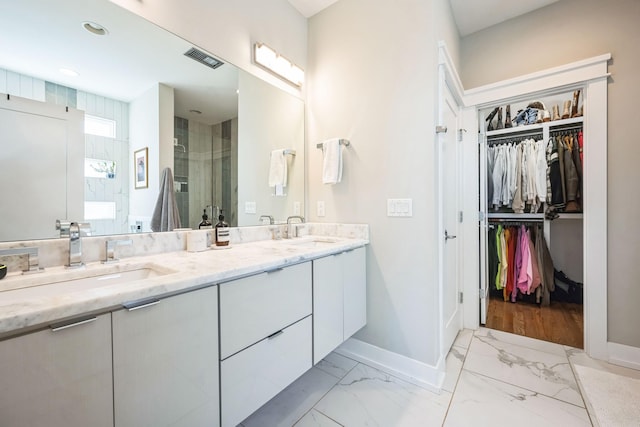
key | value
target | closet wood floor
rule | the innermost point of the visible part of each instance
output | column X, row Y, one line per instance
column 561, row 323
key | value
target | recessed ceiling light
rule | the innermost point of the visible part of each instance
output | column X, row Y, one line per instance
column 94, row 28
column 195, row 111
column 68, row 72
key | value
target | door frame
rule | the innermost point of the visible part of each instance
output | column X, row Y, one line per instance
column 592, row 74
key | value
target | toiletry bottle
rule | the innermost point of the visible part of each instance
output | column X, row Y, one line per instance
column 205, row 223
column 222, row 231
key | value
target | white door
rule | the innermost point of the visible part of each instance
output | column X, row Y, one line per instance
column 449, row 161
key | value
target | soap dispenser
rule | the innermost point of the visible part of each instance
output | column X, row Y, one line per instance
column 205, row 223
column 222, row 231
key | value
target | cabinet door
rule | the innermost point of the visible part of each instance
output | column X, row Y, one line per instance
column 354, row 267
column 327, row 305
column 165, row 362
column 58, row 377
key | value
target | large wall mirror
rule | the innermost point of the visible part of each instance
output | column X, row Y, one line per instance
column 88, row 87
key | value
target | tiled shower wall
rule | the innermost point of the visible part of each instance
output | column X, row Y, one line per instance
column 206, row 175
column 181, row 166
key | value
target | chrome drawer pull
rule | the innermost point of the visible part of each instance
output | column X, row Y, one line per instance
column 55, row 328
column 275, row 334
column 137, row 305
column 274, row 270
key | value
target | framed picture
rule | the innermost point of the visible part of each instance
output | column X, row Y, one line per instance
column 141, row 167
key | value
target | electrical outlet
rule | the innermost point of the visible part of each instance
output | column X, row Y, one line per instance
column 296, row 208
column 320, row 208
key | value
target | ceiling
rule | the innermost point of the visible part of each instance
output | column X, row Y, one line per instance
column 470, row 15
column 41, row 36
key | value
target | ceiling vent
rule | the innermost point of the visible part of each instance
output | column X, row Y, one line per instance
column 203, row 58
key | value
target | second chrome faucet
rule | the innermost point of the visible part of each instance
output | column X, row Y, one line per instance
column 76, row 231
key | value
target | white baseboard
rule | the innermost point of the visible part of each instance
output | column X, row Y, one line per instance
column 624, row 355
column 421, row 374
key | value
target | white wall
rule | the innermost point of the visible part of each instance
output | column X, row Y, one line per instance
column 372, row 79
column 149, row 115
column 269, row 120
column 228, row 29
column 567, row 31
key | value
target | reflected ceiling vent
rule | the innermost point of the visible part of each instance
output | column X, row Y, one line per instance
column 203, row 58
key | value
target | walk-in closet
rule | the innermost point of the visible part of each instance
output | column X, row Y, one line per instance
column 531, row 201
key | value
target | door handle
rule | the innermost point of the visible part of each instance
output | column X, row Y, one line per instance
column 447, row 236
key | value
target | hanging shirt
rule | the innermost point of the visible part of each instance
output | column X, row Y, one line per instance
column 535, row 270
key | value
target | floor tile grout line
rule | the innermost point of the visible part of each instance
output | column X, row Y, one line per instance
column 582, row 391
column 455, row 387
column 525, row 388
column 542, row 342
column 327, row 392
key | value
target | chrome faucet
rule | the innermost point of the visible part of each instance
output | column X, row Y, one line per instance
column 292, row 231
column 76, row 231
column 269, row 217
column 32, row 257
column 110, row 249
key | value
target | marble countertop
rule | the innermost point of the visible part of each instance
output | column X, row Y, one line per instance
column 31, row 301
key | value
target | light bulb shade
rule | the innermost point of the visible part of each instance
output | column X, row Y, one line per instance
column 278, row 64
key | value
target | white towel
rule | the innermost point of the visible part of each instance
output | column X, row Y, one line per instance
column 278, row 169
column 332, row 163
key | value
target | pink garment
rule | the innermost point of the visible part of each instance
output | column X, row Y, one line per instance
column 536, row 279
column 525, row 277
column 518, row 264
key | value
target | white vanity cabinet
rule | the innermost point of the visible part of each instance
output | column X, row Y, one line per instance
column 339, row 299
column 59, row 376
column 165, row 361
column 265, row 337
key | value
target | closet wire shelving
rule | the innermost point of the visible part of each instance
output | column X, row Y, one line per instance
column 518, row 134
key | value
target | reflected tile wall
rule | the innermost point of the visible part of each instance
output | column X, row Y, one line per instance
column 117, row 149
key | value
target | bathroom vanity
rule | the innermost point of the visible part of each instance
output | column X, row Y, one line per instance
column 193, row 339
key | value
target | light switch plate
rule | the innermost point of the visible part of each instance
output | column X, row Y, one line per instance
column 296, row 208
column 320, row 208
column 400, row 207
column 249, row 207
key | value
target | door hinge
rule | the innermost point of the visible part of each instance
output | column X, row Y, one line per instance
column 460, row 216
column 480, row 216
column 441, row 129
column 460, row 133
column 460, row 297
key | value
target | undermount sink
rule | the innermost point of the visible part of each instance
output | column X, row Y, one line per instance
column 311, row 241
column 60, row 283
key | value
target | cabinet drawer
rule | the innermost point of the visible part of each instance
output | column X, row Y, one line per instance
column 252, row 377
column 255, row 307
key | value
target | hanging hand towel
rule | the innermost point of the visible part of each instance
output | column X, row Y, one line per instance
column 332, row 163
column 165, row 215
column 278, row 169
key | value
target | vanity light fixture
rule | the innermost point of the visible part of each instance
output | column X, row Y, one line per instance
column 266, row 57
column 94, row 28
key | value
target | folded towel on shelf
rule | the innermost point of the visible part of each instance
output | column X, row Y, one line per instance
column 278, row 169
column 165, row 215
column 332, row 162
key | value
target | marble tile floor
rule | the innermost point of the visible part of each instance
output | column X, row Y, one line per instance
column 493, row 379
